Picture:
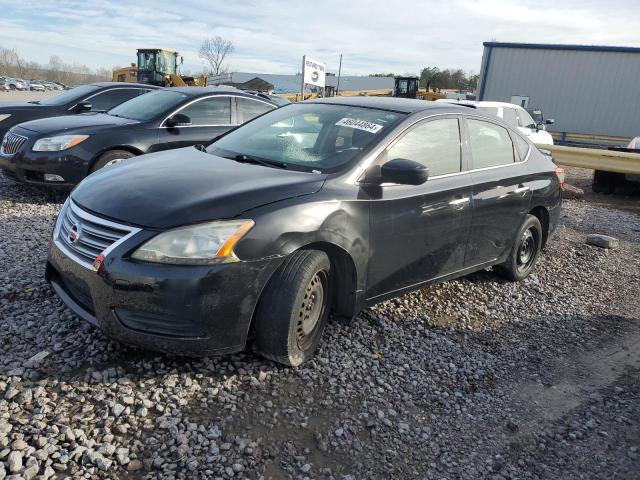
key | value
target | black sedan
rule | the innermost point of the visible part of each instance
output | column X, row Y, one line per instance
column 316, row 207
column 59, row 152
column 84, row 98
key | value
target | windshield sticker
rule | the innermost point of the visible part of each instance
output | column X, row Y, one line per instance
column 360, row 125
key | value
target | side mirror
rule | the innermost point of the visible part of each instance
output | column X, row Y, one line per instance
column 549, row 121
column 178, row 120
column 83, row 107
column 400, row 171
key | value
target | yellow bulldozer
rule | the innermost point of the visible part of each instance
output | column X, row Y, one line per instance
column 157, row 66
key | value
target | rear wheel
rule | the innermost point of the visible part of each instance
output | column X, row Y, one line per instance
column 294, row 307
column 524, row 252
column 111, row 157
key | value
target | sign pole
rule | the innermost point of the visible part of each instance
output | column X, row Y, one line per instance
column 339, row 72
column 304, row 57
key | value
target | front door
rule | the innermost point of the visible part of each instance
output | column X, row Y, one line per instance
column 501, row 191
column 420, row 232
column 210, row 117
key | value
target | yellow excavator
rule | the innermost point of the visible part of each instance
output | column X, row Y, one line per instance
column 157, row 66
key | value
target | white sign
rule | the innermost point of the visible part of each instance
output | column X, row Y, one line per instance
column 313, row 72
column 359, row 124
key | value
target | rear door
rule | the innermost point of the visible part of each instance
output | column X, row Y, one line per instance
column 420, row 232
column 210, row 117
column 501, row 190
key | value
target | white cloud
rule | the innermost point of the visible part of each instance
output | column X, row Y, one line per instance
column 399, row 36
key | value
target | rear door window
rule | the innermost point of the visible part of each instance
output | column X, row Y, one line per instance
column 110, row 98
column 521, row 145
column 209, row 112
column 490, row 144
column 510, row 117
column 250, row 109
column 435, row 144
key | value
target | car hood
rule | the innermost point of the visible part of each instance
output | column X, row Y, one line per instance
column 185, row 186
column 86, row 122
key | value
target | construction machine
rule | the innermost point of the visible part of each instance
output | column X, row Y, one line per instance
column 157, row 66
column 408, row 87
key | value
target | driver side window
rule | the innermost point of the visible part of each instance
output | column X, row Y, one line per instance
column 435, row 144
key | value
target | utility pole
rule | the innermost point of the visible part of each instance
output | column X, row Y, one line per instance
column 304, row 57
column 339, row 71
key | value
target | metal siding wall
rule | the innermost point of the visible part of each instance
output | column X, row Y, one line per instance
column 584, row 91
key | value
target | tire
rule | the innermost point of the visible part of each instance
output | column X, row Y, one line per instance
column 12, row 87
column 602, row 182
column 525, row 251
column 290, row 319
column 110, row 156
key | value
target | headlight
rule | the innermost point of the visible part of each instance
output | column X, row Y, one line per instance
column 55, row 144
column 4, row 116
column 60, row 218
column 195, row 245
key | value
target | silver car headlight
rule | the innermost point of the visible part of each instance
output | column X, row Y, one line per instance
column 56, row 144
column 195, row 245
column 4, row 116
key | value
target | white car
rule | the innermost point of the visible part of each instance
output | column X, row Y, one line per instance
column 35, row 86
column 514, row 115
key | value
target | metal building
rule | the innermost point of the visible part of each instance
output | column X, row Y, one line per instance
column 588, row 90
column 291, row 83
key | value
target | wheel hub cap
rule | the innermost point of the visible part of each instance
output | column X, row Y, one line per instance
column 525, row 252
column 312, row 305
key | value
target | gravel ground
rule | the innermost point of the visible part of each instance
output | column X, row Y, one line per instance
column 474, row 378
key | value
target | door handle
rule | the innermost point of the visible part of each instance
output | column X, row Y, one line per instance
column 460, row 202
column 521, row 189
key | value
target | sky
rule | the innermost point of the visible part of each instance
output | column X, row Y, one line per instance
column 271, row 36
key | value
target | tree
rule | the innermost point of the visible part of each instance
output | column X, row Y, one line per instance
column 215, row 51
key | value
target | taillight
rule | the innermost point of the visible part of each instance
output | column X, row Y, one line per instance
column 560, row 175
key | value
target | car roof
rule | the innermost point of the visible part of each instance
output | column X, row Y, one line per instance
column 402, row 105
column 477, row 103
column 198, row 91
column 122, row 84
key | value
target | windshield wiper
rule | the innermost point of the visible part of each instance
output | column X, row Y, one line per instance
column 37, row 102
column 258, row 161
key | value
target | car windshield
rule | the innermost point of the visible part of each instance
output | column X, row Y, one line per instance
column 70, row 96
column 149, row 105
column 536, row 115
column 307, row 136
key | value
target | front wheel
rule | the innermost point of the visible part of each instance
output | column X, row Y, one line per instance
column 110, row 158
column 525, row 251
column 294, row 307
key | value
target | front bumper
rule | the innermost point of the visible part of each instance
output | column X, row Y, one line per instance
column 28, row 166
column 186, row 310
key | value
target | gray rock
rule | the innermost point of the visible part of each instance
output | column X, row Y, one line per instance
column 571, row 192
column 14, row 461
column 602, row 241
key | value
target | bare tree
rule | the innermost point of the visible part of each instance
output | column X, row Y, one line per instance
column 215, row 51
column 13, row 65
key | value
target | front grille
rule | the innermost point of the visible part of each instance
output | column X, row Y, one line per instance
column 84, row 236
column 11, row 143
